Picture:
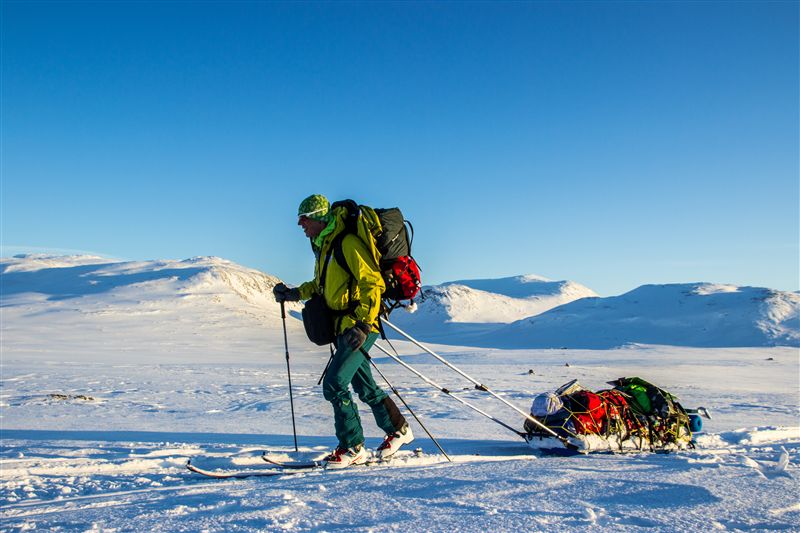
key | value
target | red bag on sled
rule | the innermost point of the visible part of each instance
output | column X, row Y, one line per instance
column 618, row 412
column 588, row 412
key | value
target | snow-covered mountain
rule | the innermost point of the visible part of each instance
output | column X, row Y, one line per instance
column 151, row 308
column 467, row 308
column 532, row 312
column 516, row 297
column 692, row 314
column 179, row 308
column 84, row 276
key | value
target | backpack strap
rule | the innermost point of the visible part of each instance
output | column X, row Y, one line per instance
column 350, row 227
column 337, row 254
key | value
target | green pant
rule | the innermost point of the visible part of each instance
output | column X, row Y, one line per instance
column 347, row 368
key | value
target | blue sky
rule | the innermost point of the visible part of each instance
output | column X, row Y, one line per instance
column 611, row 143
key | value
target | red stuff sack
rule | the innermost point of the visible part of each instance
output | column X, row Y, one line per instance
column 588, row 412
column 403, row 279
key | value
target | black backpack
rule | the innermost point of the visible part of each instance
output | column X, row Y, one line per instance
column 399, row 270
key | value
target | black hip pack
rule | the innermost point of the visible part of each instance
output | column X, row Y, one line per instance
column 319, row 321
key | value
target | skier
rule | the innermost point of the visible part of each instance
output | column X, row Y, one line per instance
column 355, row 304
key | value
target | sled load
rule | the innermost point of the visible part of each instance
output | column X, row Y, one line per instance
column 634, row 415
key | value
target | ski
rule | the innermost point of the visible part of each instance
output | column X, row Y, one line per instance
column 320, row 463
column 278, row 467
column 292, row 465
column 244, row 474
column 301, row 465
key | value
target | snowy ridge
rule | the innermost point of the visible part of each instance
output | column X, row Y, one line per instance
column 59, row 277
column 531, row 312
column 151, row 307
column 218, row 301
column 460, row 310
column 33, row 262
column 692, row 314
column 780, row 320
column 530, row 286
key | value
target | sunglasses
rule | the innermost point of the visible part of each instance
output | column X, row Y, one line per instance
column 308, row 215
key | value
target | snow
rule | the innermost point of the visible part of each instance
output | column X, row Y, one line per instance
column 529, row 286
column 530, row 312
column 167, row 310
column 462, row 310
column 693, row 314
column 114, row 374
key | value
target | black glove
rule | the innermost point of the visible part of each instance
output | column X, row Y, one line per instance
column 354, row 337
column 285, row 294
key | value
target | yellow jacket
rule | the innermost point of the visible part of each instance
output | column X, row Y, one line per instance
column 362, row 257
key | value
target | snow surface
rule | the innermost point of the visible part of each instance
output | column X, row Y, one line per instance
column 115, row 374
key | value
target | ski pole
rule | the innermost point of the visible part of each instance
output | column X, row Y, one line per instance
column 327, row 366
column 289, row 372
column 446, row 391
column 394, row 390
column 478, row 385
